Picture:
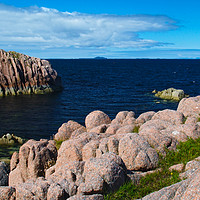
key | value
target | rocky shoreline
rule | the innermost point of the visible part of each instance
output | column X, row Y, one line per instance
column 22, row 74
column 102, row 155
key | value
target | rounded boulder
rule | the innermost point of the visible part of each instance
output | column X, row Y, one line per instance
column 95, row 119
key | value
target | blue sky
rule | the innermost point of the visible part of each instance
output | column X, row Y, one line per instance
column 113, row 29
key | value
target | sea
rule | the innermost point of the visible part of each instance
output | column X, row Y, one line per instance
column 110, row 85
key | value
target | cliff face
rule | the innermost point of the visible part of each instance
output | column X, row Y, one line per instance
column 22, row 74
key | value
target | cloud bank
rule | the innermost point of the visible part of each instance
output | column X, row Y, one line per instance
column 45, row 28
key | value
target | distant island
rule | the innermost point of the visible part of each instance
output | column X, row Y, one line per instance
column 100, row 58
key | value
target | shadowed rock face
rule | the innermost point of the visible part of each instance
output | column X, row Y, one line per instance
column 21, row 74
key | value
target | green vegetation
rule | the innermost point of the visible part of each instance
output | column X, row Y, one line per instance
column 184, row 119
column 15, row 54
column 185, row 152
column 199, row 118
column 136, row 129
column 58, row 143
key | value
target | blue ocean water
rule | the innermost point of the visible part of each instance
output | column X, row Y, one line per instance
column 91, row 84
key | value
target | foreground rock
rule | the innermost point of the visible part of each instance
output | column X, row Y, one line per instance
column 34, row 158
column 190, row 106
column 171, row 94
column 105, row 154
column 21, row 74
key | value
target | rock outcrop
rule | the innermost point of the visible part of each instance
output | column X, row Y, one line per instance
column 170, row 94
column 105, row 154
column 11, row 139
column 21, row 74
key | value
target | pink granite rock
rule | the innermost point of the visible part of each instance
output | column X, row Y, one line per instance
column 34, row 158
column 68, row 176
column 65, row 131
column 125, row 129
column 95, row 119
column 7, row 193
column 32, row 189
column 87, row 197
column 124, row 118
column 136, row 153
column 89, row 150
column 156, row 123
column 14, row 161
column 21, row 74
column 78, row 132
column 71, row 150
column 189, row 106
column 104, row 173
column 178, row 167
column 99, row 129
column 172, row 116
column 144, row 117
column 152, row 132
column 56, row 192
column 112, row 129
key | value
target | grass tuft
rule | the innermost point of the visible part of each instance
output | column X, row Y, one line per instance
column 58, row 143
column 185, row 152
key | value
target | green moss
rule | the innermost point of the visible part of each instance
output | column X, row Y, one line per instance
column 185, row 152
column 136, row 129
column 58, row 143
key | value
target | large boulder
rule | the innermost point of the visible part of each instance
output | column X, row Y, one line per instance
column 136, row 153
column 35, row 157
column 22, row 74
column 66, row 130
column 144, row 117
column 95, row 119
column 124, row 118
column 71, row 150
column 189, row 106
column 172, row 116
column 153, row 131
column 106, row 173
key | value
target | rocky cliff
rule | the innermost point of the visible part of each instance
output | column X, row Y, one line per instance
column 22, row 74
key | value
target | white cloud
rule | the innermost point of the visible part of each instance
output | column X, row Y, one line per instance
column 50, row 28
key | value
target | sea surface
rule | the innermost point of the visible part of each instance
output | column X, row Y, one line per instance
column 110, row 85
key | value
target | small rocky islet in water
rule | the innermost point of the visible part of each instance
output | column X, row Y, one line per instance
column 170, row 94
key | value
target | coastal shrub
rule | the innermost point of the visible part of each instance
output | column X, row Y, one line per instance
column 185, row 152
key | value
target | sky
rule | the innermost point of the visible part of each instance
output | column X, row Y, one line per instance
column 107, row 28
